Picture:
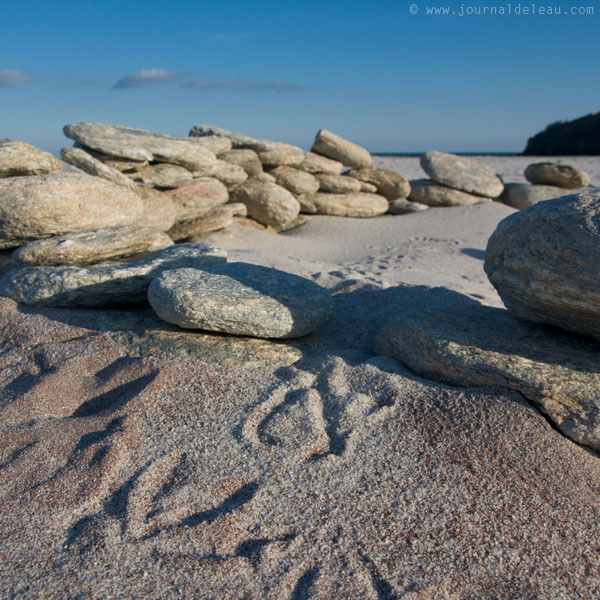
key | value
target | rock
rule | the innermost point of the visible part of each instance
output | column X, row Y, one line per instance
column 137, row 144
column 333, row 146
column 524, row 195
column 315, row 163
column 41, row 206
column 356, row 204
column 462, row 174
column 92, row 166
column 369, row 188
column 264, row 177
column 338, row 184
column 402, row 206
column 164, row 176
column 297, row 222
column 451, row 338
column 198, row 197
column 282, row 154
column 245, row 158
column 159, row 210
column 102, row 285
column 543, row 263
column 20, row 159
column 214, row 143
column 563, row 176
column 241, row 299
column 306, row 204
column 431, row 193
column 268, row 203
column 215, row 219
column 88, row 247
column 252, row 224
column 124, row 165
column 389, row 184
column 229, row 174
column 295, row 181
column 238, row 140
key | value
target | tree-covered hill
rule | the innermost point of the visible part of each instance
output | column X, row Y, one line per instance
column 578, row 137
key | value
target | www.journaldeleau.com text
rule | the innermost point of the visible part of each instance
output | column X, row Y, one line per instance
column 508, row 8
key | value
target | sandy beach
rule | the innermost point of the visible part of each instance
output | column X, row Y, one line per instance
column 312, row 468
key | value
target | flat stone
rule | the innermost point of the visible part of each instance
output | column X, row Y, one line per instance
column 238, row 140
column 41, row 206
column 563, row 176
column 102, row 285
column 241, row 299
column 282, row 154
column 295, row 181
column 214, row 143
column 389, row 183
column 164, row 176
column 315, row 163
column 448, row 337
column 228, row 174
column 402, row 206
column 245, row 158
column 368, row 187
column 524, row 195
column 357, row 204
column 543, row 262
column 124, row 165
column 338, row 184
column 333, row 146
column 138, row 144
column 215, row 219
column 462, row 174
column 88, row 247
column 264, row 177
column 159, row 210
column 92, row 166
column 198, row 197
column 268, row 203
column 306, row 204
column 431, row 193
column 20, row 159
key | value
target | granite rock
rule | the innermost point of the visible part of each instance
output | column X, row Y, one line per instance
column 20, row 159
column 402, row 206
column 229, row 174
column 338, row 184
column 357, row 204
column 92, row 166
column 164, row 175
column 315, row 163
column 389, row 183
column 295, row 181
column 245, row 158
column 198, row 197
column 333, row 146
column 159, row 210
column 563, row 176
column 431, row 193
column 282, row 154
column 215, row 219
column 238, row 140
column 524, row 195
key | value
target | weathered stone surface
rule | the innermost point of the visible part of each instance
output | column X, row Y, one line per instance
column 295, row 181
column 431, row 193
column 268, row 203
column 88, row 247
column 42, row 206
column 524, row 195
column 543, row 262
column 19, row 159
column 297, row 222
column 333, row 146
column 228, row 174
column 214, row 143
column 164, row 176
column 137, row 144
column 92, row 166
column 124, row 165
column 282, row 154
column 402, row 206
column 241, row 299
column 368, row 187
column 563, row 176
column 306, row 204
column 198, row 197
column 159, row 210
column 215, row 219
column 356, row 204
column 338, row 184
column 238, row 140
column 315, row 163
column 389, row 183
column 462, row 174
column 102, row 285
column 245, row 158
column 264, row 177
column 451, row 338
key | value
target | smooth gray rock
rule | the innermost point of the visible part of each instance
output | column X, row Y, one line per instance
column 357, row 204
column 159, row 210
column 138, row 144
column 245, row 158
column 563, row 176
column 228, row 174
column 431, row 193
column 102, row 285
column 92, row 166
column 164, row 176
column 41, row 206
column 389, row 183
column 20, row 159
column 543, row 261
column 333, row 146
column 338, row 184
column 295, row 181
column 524, row 195
column 402, row 206
column 198, row 197
column 462, row 174
column 88, row 247
column 241, row 299
column 448, row 337
column 315, row 163
column 268, row 203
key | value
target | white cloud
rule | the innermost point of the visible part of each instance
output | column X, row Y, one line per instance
column 13, row 78
column 146, row 77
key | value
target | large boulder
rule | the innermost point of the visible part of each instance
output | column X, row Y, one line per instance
column 92, row 166
column 42, row 206
column 198, row 197
column 21, row 159
column 389, row 183
column 462, row 173
column 333, row 146
column 524, row 195
column 357, row 204
column 241, row 299
column 431, row 193
column 543, row 261
column 563, row 176
column 102, row 285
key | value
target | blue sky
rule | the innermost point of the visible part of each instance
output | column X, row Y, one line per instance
column 371, row 71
